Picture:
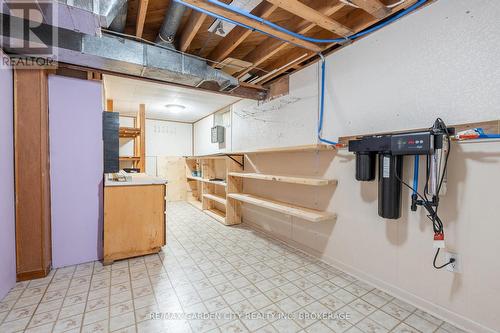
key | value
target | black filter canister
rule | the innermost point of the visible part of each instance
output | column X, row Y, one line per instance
column 365, row 166
column 389, row 187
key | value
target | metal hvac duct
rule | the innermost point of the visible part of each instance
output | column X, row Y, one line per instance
column 107, row 10
column 170, row 24
column 125, row 56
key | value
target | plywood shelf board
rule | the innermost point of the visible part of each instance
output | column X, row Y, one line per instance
column 129, row 158
column 129, row 132
column 303, row 148
column 285, row 208
column 215, row 197
column 216, row 214
column 204, row 180
column 285, row 179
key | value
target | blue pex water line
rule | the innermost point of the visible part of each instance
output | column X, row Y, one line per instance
column 489, row 136
column 322, row 102
column 311, row 39
column 415, row 174
column 204, row 11
column 302, row 37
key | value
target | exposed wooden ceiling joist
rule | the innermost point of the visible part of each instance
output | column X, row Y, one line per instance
column 309, row 14
column 253, row 24
column 271, row 46
column 191, row 29
column 236, row 36
column 269, row 57
column 287, row 62
column 141, row 17
column 373, row 7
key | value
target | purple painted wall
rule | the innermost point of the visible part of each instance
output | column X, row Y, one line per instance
column 7, row 215
column 76, row 170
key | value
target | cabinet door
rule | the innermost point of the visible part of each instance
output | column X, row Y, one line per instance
column 134, row 220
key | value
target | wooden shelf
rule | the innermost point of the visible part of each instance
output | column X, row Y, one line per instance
column 285, row 208
column 204, row 180
column 219, row 183
column 130, row 158
column 129, row 132
column 303, row 148
column 216, row 198
column 216, row 214
column 285, row 179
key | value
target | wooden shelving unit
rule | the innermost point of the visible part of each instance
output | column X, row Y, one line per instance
column 223, row 200
column 138, row 134
column 207, row 194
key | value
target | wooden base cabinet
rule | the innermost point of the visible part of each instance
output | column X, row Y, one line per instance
column 134, row 221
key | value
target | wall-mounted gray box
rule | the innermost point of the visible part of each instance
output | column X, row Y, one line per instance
column 218, row 134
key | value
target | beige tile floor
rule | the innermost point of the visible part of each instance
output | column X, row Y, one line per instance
column 210, row 278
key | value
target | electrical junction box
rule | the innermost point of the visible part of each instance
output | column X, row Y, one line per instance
column 218, row 134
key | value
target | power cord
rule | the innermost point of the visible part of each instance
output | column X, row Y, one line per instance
column 432, row 205
column 451, row 261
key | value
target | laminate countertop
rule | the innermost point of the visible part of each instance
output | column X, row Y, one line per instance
column 136, row 180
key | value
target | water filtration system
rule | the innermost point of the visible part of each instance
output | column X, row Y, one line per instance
column 389, row 150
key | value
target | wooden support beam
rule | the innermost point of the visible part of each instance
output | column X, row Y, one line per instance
column 236, row 36
column 254, row 93
column 140, row 140
column 32, row 174
column 191, row 29
column 270, row 46
column 287, row 62
column 309, row 14
column 253, row 24
column 109, row 105
column 141, row 17
column 373, row 7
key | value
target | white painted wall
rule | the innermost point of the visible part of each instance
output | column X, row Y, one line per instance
column 409, row 72
column 441, row 61
column 202, row 138
column 167, row 138
column 292, row 125
column 163, row 138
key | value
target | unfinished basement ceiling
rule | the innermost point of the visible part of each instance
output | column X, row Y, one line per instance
column 268, row 57
column 127, row 94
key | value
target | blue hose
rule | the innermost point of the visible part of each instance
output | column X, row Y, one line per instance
column 415, row 174
column 303, row 37
column 204, row 11
column 322, row 102
column 489, row 136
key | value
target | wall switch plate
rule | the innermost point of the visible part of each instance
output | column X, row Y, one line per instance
column 454, row 267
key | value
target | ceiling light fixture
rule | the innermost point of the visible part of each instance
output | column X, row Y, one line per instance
column 175, row 108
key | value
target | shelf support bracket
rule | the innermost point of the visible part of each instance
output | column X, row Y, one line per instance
column 240, row 163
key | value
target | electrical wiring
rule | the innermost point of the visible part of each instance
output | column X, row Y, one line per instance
column 432, row 205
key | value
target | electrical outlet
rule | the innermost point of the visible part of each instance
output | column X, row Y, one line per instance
column 456, row 265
